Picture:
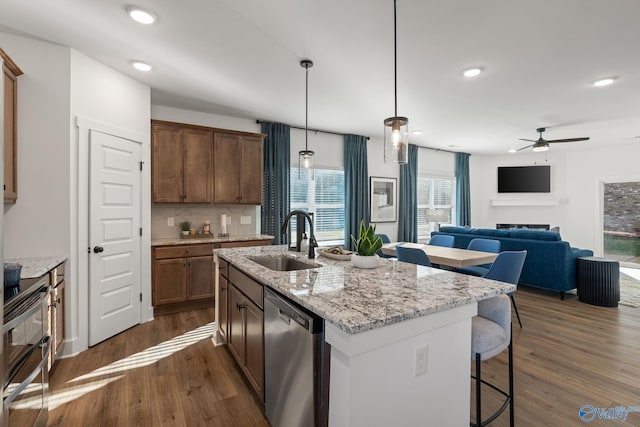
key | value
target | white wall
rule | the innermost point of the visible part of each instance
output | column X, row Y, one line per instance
column 575, row 178
column 101, row 94
column 39, row 223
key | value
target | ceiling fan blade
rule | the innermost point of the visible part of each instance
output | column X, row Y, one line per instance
column 528, row 140
column 524, row 148
column 569, row 139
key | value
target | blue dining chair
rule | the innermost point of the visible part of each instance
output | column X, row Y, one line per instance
column 385, row 239
column 412, row 255
column 483, row 245
column 442, row 240
column 507, row 267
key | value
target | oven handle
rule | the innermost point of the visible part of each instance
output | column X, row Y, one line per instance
column 46, row 341
column 32, row 310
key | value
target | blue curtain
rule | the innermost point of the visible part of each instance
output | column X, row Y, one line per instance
column 463, row 190
column 408, row 206
column 356, row 189
column 275, row 187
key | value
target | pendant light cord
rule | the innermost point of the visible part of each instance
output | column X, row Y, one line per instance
column 306, row 111
column 395, row 62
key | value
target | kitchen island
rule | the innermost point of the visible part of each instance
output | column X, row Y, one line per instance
column 400, row 337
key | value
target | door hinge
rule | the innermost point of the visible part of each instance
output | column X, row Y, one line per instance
column 140, row 231
column 141, row 163
column 89, row 250
column 140, row 296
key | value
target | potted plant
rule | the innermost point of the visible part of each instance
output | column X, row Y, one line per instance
column 366, row 247
column 185, row 227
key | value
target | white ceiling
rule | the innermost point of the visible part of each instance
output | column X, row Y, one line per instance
column 241, row 58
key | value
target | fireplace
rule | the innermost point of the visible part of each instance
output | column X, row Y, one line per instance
column 530, row 226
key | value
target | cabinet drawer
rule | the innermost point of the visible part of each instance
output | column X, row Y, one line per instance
column 57, row 274
column 183, row 251
column 252, row 289
column 223, row 268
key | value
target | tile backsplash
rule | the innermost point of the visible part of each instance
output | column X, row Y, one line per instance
column 198, row 214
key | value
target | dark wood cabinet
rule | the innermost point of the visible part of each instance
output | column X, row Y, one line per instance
column 182, row 277
column 237, row 169
column 246, row 327
column 181, row 164
column 10, row 73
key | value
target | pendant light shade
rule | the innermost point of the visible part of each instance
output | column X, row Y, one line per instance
column 396, row 128
column 305, row 157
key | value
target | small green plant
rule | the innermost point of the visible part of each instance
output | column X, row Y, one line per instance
column 367, row 244
column 185, row 226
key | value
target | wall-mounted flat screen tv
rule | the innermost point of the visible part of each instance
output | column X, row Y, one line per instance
column 524, row 179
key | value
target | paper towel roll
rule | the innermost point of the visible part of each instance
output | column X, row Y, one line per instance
column 223, row 224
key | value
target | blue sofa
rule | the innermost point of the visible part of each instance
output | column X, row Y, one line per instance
column 550, row 263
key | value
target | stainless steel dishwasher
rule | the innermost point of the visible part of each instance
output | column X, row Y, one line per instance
column 296, row 390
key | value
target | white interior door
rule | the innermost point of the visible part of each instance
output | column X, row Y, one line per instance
column 114, row 237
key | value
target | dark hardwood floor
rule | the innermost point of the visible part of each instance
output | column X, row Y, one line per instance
column 160, row 374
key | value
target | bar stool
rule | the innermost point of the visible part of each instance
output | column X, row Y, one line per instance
column 490, row 335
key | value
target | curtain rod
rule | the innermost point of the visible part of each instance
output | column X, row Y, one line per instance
column 313, row 130
column 439, row 149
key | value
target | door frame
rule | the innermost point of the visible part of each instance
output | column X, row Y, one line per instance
column 599, row 208
column 77, row 295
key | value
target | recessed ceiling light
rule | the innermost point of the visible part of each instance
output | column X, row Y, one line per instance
column 417, row 132
column 605, row 82
column 141, row 16
column 472, row 72
column 141, row 66
column 512, row 150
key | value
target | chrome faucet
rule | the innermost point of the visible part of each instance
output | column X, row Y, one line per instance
column 300, row 215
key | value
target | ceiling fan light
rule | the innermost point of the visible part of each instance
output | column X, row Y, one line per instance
column 540, row 148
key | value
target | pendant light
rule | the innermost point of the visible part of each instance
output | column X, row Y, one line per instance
column 305, row 157
column 396, row 128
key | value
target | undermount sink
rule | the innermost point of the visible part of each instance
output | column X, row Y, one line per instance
column 282, row 263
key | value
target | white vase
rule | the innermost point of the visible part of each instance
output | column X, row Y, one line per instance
column 360, row 261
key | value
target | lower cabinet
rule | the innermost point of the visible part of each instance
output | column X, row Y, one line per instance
column 56, row 312
column 182, row 277
column 245, row 336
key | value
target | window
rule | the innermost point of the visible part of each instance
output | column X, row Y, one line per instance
column 436, row 204
column 323, row 197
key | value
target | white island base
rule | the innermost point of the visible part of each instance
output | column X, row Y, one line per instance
column 373, row 379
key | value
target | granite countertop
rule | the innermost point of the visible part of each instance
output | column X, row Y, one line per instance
column 208, row 239
column 356, row 300
column 33, row 267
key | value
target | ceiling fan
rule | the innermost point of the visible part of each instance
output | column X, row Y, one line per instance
column 543, row 144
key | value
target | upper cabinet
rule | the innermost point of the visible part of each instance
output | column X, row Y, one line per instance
column 237, row 169
column 181, row 163
column 194, row 164
column 10, row 72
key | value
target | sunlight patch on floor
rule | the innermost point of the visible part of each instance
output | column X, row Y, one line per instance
column 634, row 273
column 152, row 354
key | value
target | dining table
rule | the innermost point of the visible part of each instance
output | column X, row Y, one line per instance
column 452, row 257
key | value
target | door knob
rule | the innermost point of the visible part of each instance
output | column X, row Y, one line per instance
column 97, row 249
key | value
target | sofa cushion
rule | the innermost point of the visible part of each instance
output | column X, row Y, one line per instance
column 454, row 229
column 521, row 233
column 491, row 232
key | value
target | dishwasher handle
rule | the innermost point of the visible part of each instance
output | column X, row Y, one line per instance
column 287, row 310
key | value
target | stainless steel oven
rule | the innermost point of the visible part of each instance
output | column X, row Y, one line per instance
column 26, row 350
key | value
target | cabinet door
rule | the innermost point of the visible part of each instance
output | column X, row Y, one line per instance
column 198, row 175
column 235, row 338
column 169, row 281
column 59, row 319
column 227, row 168
column 10, row 140
column 167, row 166
column 252, row 170
column 254, row 338
column 200, row 277
column 223, row 305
